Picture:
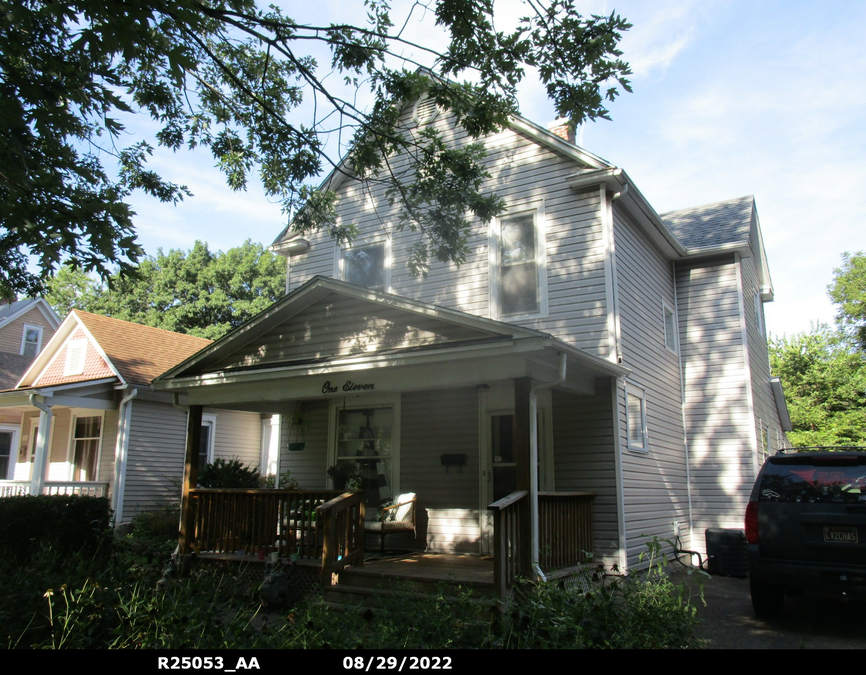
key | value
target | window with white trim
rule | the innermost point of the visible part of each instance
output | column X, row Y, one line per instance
column 206, row 444
column 759, row 313
column 86, row 432
column 636, row 419
column 670, row 325
column 367, row 265
column 31, row 340
column 518, row 277
column 76, row 350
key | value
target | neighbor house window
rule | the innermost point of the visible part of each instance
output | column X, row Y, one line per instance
column 366, row 266
column 31, row 341
column 85, row 447
column 670, row 327
column 518, row 279
column 636, row 419
column 206, row 445
column 76, row 350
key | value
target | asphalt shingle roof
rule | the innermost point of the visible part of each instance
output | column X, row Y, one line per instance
column 140, row 353
column 711, row 225
column 12, row 367
column 9, row 310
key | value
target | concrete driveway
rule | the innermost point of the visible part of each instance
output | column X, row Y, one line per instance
column 728, row 622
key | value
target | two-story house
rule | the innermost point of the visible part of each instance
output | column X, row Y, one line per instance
column 588, row 347
column 26, row 326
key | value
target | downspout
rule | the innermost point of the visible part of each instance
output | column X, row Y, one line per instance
column 40, row 460
column 121, row 454
column 533, row 461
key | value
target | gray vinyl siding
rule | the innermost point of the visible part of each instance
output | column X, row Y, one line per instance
column 433, row 423
column 716, row 396
column 524, row 174
column 766, row 414
column 238, row 435
column 309, row 466
column 155, row 459
column 108, row 449
column 584, row 460
column 654, row 483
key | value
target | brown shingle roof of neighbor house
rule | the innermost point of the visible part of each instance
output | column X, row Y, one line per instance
column 140, row 353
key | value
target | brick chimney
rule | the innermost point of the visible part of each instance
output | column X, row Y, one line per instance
column 560, row 127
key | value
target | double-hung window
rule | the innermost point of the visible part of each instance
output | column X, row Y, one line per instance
column 636, row 419
column 367, row 265
column 31, row 341
column 518, row 271
column 85, row 447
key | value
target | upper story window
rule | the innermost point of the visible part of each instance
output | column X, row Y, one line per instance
column 31, row 341
column 759, row 313
column 636, row 419
column 518, row 278
column 367, row 265
column 670, row 323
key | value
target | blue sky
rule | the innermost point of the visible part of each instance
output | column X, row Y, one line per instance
column 730, row 98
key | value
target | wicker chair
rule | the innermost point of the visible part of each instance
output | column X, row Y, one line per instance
column 400, row 517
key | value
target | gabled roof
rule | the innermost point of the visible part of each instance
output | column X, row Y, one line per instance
column 306, row 328
column 8, row 313
column 135, row 353
column 12, row 367
column 726, row 223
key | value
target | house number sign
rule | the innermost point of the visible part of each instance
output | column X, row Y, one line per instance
column 350, row 386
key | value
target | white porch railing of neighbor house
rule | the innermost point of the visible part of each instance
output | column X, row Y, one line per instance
column 15, row 488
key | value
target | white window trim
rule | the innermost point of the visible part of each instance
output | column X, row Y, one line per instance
column 211, row 420
column 636, row 392
column 27, row 327
column 14, row 449
column 759, row 314
column 675, row 324
column 494, row 248
column 368, row 401
column 361, row 244
column 70, row 445
column 71, row 367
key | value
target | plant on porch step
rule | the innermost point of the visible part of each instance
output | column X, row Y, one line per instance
column 229, row 473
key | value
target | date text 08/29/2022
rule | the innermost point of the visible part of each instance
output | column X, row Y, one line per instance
column 349, row 663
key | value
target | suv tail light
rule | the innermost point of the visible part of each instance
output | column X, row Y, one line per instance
column 752, row 523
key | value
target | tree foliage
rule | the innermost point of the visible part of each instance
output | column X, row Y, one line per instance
column 825, row 386
column 196, row 292
column 848, row 292
column 229, row 76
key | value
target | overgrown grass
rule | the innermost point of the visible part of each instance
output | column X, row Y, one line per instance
column 125, row 599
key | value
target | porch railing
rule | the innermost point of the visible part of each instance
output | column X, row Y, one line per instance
column 14, row 488
column 565, row 528
column 565, row 534
column 507, row 541
column 230, row 520
column 342, row 523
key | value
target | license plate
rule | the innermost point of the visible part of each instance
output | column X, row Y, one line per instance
column 840, row 534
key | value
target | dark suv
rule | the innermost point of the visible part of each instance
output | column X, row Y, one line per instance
column 806, row 527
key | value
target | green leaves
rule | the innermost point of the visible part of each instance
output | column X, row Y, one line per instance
column 848, row 291
column 231, row 77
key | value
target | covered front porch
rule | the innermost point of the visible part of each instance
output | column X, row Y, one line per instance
column 504, row 435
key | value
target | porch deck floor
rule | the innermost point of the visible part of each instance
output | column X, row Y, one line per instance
column 466, row 569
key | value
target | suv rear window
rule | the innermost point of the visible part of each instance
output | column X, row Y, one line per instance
column 814, row 480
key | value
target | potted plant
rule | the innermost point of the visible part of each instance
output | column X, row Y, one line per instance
column 299, row 425
column 344, row 476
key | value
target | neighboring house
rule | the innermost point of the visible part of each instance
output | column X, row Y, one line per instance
column 91, row 424
column 26, row 326
column 634, row 342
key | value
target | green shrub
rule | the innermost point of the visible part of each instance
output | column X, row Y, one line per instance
column 229, row 473
column 65, row 523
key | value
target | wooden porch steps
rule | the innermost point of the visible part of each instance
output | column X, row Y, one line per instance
column 382, row 582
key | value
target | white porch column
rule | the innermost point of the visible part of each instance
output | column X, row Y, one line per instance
column 43, row 437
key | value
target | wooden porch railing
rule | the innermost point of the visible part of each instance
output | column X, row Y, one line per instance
column 342, row 523
column 565, row 528
column 565, row 534
column 507, row 542
column 14, row 488
column 229, row 520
